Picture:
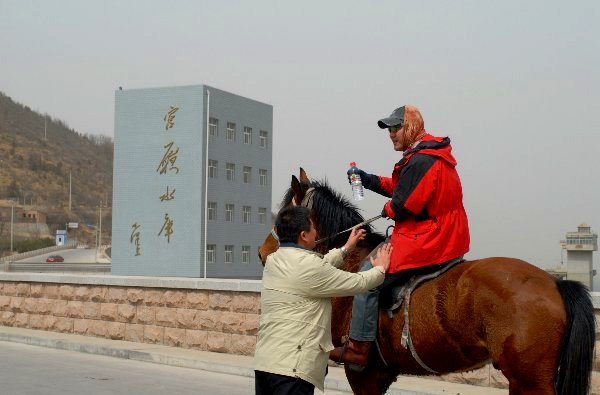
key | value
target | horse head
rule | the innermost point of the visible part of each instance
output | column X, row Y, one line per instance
column 330, row 212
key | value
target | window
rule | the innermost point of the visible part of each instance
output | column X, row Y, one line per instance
column 247, row 211
column 212, row 168
column 262, row 215
column 263, row 135
column 212, row 211
column 245, row 254
column 229, row 209
column 230, row 170
column 213, row 126
column 262, row 177
column 211, row 253
column 230, row 135
column 247, row 135
column 229, row 253
column 247, row 174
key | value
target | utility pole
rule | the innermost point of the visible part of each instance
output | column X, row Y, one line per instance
column 69, row 191
column 45, row 126
column 12, row 215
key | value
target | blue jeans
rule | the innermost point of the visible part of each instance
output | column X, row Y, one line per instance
column 365, row 307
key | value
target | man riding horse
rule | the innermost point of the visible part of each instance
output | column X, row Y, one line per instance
column 431, row 226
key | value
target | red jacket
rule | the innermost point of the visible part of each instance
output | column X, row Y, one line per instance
column 431, row 225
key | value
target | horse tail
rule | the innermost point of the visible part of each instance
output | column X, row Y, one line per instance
column 577, row 353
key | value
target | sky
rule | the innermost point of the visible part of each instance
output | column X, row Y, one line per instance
column 516, row 86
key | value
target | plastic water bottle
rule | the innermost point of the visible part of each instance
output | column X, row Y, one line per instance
column 357, row 187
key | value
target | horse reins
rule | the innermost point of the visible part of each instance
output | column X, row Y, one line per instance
column 349, row 229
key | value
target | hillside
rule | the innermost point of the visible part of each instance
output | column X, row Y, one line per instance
column 35, row 170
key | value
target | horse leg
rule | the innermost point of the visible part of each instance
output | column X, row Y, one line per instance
column 530, row 369
column 375, row 379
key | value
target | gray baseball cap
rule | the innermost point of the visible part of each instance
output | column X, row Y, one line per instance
column 396, row 118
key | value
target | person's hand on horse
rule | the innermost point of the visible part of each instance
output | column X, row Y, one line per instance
column 382, row 258
column 365, row 177
column 356, row 235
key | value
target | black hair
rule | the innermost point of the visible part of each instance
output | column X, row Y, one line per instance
column 290, row 222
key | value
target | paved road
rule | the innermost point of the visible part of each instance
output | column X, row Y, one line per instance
column 78, row 255
column 31, row 370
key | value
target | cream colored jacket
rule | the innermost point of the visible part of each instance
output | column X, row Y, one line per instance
column 294, row 337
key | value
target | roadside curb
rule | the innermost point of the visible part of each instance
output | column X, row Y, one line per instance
column 214, row 362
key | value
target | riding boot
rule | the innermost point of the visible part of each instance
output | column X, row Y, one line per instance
column 353, row 353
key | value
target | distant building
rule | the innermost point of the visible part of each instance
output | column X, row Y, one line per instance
column 580, row 246
column 21, row 214
column 162, row 200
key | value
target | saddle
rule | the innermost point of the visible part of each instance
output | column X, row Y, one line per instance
column 392, row 298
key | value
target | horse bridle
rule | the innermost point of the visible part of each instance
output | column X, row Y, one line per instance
column 307, row 202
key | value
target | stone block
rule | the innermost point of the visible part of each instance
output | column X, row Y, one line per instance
column 218, row 342
column 250, row 324
column 36, row 321
column 66, row 292
column 81, row 293
column 48, row 322
column 4, row 302
column 154, row 297
column 197, row 299
column 229, row 322
column 23, row 289
column 196, row 339
column 115, row 330
column 36, row 290
column 134, row 333
column 175, row 299
column 220, row 300
column 7, row 318
column 91, row 310
column 51, row 291
column 243, row 345
column 98, row 328
column 30, row 305
column 57, row 307
column 81, row 327
column 21, row 320
column 116, row 295
column 135, row 295
column 10, row 289
column 108, row 311
column 125, row 313
column 166, row 316
column 46, row 306
column 186, row 318
column 497, row 379
column 98, row 294
column 63, row 324
column 205, row 320
column 74, row 309
column 145, row 315
column 246, row 303
column 174, row 337
column 154, row 334
column 15, row 304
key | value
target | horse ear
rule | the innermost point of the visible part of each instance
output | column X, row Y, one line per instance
column 298, row 192
column 304, row 176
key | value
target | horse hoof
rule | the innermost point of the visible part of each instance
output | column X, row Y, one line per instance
column 356, row 368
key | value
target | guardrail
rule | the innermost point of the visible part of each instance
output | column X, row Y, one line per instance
column 56, row 267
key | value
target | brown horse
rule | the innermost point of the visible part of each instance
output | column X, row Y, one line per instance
column 537, row 330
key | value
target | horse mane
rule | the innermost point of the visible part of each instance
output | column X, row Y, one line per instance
column 332, row 213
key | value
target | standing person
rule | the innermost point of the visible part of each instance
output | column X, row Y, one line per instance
column 294, row 336
column 430, row 222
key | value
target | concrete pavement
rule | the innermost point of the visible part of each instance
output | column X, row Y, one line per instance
column 217, row 362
